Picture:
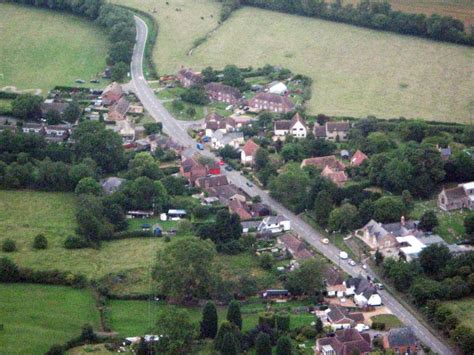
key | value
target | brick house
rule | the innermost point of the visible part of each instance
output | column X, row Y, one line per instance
column 189, row 78
column 112, row 93
column 358, row 158
column 223, row 93
column 333, row 131
column 118, row 111
column 265, row 101
column 344, row 342
column 400, row 341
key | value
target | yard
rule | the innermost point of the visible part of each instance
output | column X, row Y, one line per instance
column 42, row 48
column 34, row 317
column 389, row 320
column 463, row 310
column 451, row 224
column 421, row 78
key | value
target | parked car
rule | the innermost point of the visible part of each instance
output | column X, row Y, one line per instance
column 228, row 168
column 351, row 262
column 249, row 184
column 200, row 146
column 343, row 255
column 325, row 241
column 379, row 286
column 221, row 162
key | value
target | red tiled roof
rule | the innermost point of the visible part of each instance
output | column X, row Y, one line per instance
column 297, row 247
column 274, row 98
column 358, row 158
column 241, row 209
column 250, row 148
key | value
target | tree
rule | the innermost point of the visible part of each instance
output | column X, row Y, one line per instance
column 233, row 77
column 153, row 127
column 229, row 345
column 378, row 142
column 92, row 224
column 261, row 159
column 319, row 326
column 184, row 280
column 52, row 117
column 229, row 152
column 40, row 242
column 469, row 225
column 284, row 346
column 144, row 164
column 119, row 72
column 209, row 322
column 8, row 245
column 413, row 131
column 266, row 261
column 428, row 221
column 323, row 205
column 72, row 112
column 464, row 338
column 224, row 329
column 291, row 188
column 209, row 75
column 378, row 257
column 56, row 349
column 307, row 279
column 177, row 328
column 9, row 271
column 27, row 107
column 388, row 209
column 265, row 119
column 434, row 258
column 344, row 218
column 233, row 314
column 88, row 185
column 292, row 151
column 195, row 95
column 263, row 345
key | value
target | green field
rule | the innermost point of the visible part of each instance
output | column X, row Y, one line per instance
column 463, row 310
column 35, row 317
column 356, row 72
column 131, row 318
column 41, row 48
column 389, row 320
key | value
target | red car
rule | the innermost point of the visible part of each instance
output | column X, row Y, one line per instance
column 221, row 162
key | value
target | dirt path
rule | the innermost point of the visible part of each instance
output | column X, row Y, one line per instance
column 16, row 91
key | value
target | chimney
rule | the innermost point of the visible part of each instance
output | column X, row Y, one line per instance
column 402, row 220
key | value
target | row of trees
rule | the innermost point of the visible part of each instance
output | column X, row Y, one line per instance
column 117, row 21
column 376, row 15
column 28, row 107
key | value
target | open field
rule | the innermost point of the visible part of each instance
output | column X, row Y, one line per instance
column 356, row 71
column 389, row 320
column 35, row 317
column 41, row 48
column 463, row 310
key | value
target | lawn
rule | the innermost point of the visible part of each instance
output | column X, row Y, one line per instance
column 463, row 310
column 355, row 71
column 24, row 214
column 183, row 114
column 389, row 320
column 131, row 318
column 451, row 224
column 42, row 48
column 35, row 317
column 5, row 106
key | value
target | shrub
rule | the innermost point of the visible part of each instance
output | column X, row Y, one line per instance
column 8, row 245
column 8, row 271
column 40, row 242
column 308, row 332
column 267, row 318
column 75, row 242
column 283, row 322
column 55, row 350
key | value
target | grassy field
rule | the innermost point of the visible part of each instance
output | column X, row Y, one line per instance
column 389, row 320
column 41, row 48
column 35, row 317
column 356, row 71
column 464, row 310
column 131, row 318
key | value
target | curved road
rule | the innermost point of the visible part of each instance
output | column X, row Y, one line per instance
column 179, row 134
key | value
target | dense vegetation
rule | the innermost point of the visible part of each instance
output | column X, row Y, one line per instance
column 371, row 14
column 117, row 21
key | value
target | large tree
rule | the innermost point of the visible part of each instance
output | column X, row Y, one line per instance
column 307, row 279
column 263, row 345
column 434, row 258
column 177, row 329
column 209, row 322
column 388, row 209
column 344, row 218
column 428, row 221
column 184, row 268
column 291, row 188
column 233, row 314
column 284, row 346
column 27, row 107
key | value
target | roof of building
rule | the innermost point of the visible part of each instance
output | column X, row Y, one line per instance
column 190, row 74
column 240, row 208
column 274, row 219
column 212, row 181
column 414, row 246
column 54, row 106
column 213, row 116
column 298, row 248
column 277, row 87
column 319, row 131
column 225, row 192
column 111, row 184
column 468, row 185
column 338, row 126
column 455, row 193
column 337, row 177
column 223, row 89
column 282, row 125
column 250, row 148
column 338, row 314
column 322, row 162
column 121, row 107
column 347, row 341
column 332, row 276
column 358, row 158
column 112, row 93
column 297, row 118
column 401, row 337
column 226, row 138
column 274, row 98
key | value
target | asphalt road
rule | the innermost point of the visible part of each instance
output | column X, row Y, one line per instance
column 179, row 134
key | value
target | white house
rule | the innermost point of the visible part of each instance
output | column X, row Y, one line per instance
column 249, row 152
column 220, row 140
column 469, row 189
column 410, row 246
column 367, row 299
column 274, row 224
column 296, row 127
column 365, row 294
column 277, row 88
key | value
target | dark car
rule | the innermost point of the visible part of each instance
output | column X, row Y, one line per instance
column 228, row 168
column 249, row 184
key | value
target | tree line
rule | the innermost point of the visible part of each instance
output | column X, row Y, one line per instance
column 371, row 14
column 117, row 21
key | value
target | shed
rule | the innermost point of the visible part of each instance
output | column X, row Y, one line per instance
column 176, row 213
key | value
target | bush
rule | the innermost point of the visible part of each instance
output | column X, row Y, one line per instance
column 40, row 242
column 75, row 242
column 308, row 332
column 378, row 325
column 9, row 272
column 8, row 245
column 283, row 322
column 266, row 318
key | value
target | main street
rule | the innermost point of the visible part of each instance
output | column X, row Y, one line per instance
column 179, row 134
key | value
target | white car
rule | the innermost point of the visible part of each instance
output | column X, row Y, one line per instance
column 325, row 241
column 351, row 262
column 361, row 327
column 343, row 255
column 364, row 266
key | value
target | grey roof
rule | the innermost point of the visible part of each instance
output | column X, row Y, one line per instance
column 360, row 285
column 401, row 337
column 111, row 184
column 226, row 138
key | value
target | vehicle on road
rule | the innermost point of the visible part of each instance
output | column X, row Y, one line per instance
column 343, row 255
column 200, row 146
column 325, row 241
column 221, row 162
column 228, row 168
column 364, row 266
column 351, row 262
column 379, row 286
column 249, row 184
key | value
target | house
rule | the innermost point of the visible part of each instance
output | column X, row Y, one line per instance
column 241, row 209
column 189, row 78
column 248, row 226
column 220, row 140
column 469, row 189
column 274, row 224
column 226, row 193
column 276, row 294
column 344, row 342
column 277, row 87
column 453, row 199
column 112, row 93
column 401, row 341
column 365, row 294
column 296, row 127
column 358, row 158
column 35, row 128
column 111, row 184
column 326, row 161
column 294, row 246
column 260, row 210
column 337, row 177
column 211, row 181
column 249, row 152
column 192, row 170
column 140, row 214
column 332, row 276
column 340, row 318
column 214, row 122
column 376, row 236
column 57, row 130
column 334, row 131
column 265, row 101
column 118, row 110
column 223, row 93
column 236, row 123
column 338, row 291
column 410, row 246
